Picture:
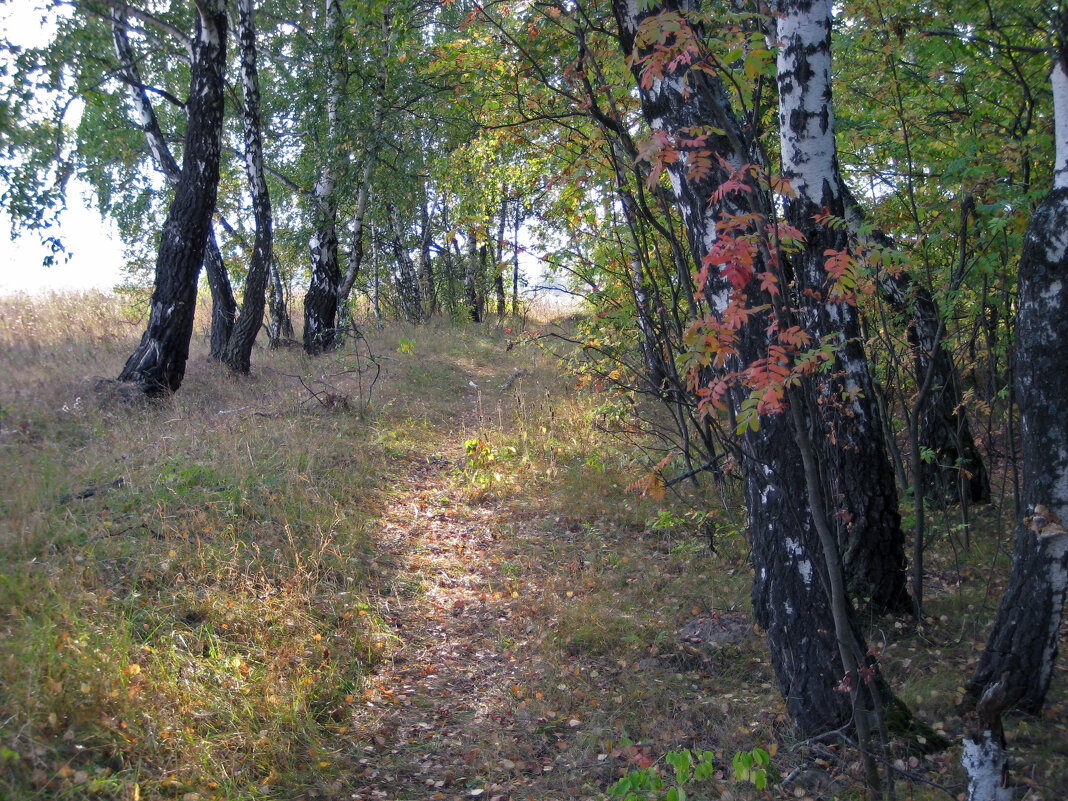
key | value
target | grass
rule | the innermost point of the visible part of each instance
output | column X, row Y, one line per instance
column 306, row 585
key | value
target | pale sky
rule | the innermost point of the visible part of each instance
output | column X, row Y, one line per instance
column 95, row 250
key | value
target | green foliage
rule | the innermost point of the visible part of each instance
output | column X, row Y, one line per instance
column 692, row 773
column 754, row 767
column 485, row 460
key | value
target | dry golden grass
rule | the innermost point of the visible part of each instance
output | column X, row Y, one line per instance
column 381, row 573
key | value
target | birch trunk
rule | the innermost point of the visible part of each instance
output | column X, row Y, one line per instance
column 860, row 485
column 224, row 308
column 470, row 273
column 320, row 301
column 789, row 599
column 279, row 325
column 157, row 365
column 364, row 192
column 407, row 276
column 1023, row 642
column 1021, row 651
column 239, row 349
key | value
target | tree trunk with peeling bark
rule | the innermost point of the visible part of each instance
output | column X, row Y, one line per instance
column 157, row 366
column 860, row 491
column 239, row 349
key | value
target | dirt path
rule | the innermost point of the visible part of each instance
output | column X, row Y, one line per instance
column 444, row 713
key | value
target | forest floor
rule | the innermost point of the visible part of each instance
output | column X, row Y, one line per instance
column 414, row 568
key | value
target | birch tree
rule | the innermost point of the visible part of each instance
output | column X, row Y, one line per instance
column 789, row 601
column 239, row 349
column 157, row 365
column 1022, row 646
column 224, row 308
column 320, row 302
column 861, row 492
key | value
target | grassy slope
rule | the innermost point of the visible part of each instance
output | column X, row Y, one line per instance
column 297, row 596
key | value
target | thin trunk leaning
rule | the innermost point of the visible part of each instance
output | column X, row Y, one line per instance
column 239, row 349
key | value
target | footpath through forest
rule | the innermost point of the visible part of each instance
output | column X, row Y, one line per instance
column 429, row 576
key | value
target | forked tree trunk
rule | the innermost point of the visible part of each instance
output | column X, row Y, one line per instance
column 860, row 487
column 157, row 366
column 279, row 324
column 223, row 305
column 789, row 598
column 239, row 349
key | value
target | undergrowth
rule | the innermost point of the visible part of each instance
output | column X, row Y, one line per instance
column 411, row 568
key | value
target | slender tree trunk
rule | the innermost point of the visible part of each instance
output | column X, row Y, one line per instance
column 238, row 351
column 223, row 305
column 515, row 256
column 320, row 302
column 426, row 265
column 860, row 479
column 498, row 271
column 224, row 308
column 407, row 275
column 279, row 324
column 157, row 366
column 470, row 284
column 375, row 262
column 959, row 468
column 363, row 194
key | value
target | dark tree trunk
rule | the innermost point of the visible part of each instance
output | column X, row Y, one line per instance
column 498, row 272
column 790, row 598
column 157, row 366
column 279, row 324
column 224, row 308
column 426, row 267
column 223, row 305
column 408, row 289
column 1023, row 642
column 238, row 351
column 320, row 301
column 470, row 283
column 959, row 470
column 860, row 486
